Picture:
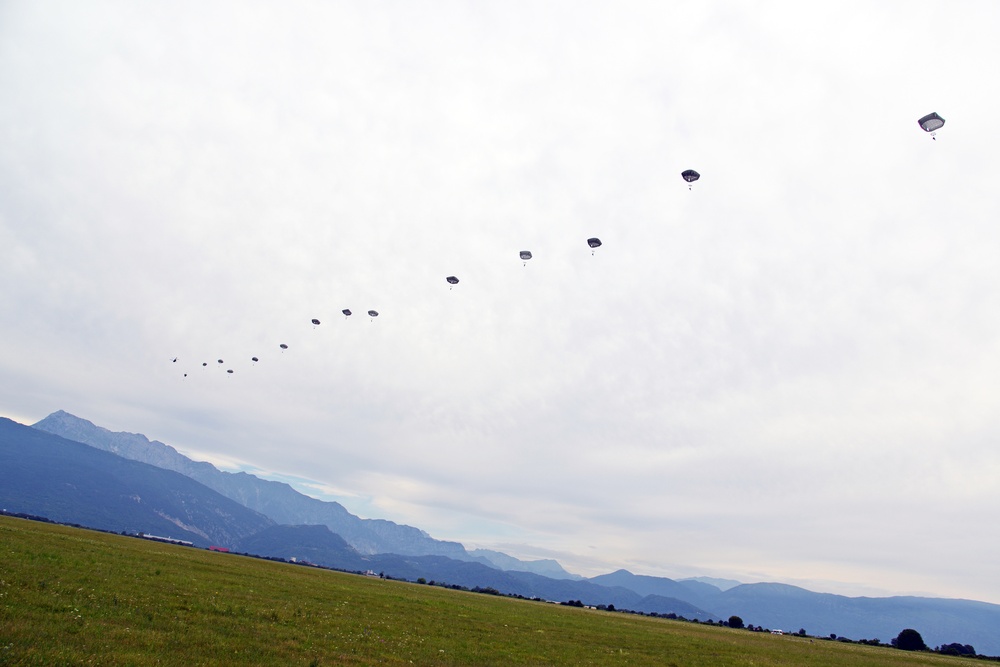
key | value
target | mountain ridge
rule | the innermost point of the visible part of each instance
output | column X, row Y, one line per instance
column 279, row 501
column 774, row 605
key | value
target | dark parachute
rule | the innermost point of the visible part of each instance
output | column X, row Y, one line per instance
column 525, row 255
column 373, row 313
column 230, row 370
column 931, row 123
column 204, row 363
column 254, row 359
column 283, row 346
column 346, row 312
column 220, row 361
column 315, row 322
column 690, row 175
column 594, row 243
column 452, row 280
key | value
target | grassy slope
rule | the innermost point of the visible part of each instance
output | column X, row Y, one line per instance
column 70, row 596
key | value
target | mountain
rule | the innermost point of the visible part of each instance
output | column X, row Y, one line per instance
column 939, row 621
column 43, row 474
column 313, row 544
column 660, row 586
column 283, row 504
column 66, row 481
column 545, row 566
column 316, row 544
column 275, row 500
column 780, row 606
column 721, row 584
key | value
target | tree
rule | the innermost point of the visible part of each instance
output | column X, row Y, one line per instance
column 735, row 622
column 909, row 640
column 957, row 649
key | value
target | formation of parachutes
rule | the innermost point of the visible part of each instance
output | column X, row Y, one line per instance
column 930, row 123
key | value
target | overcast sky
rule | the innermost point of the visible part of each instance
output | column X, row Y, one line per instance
column 789, row 372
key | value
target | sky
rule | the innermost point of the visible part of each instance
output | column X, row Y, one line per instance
column 787, row 372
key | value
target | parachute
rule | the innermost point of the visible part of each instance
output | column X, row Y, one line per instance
column 690, row 175
column 594, row 243
column 931, row 123
column 373, row 313
column 220, row 361
column 315, row 322
column 254, row 359
column 204, row 363
column 283, row 346
column 525, row 255
column 230, row 370
column 346, row 312
column 452, row 280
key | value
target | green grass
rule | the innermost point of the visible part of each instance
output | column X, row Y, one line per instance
column 73, row 597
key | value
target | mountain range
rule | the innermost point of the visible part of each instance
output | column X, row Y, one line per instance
column 70, row 470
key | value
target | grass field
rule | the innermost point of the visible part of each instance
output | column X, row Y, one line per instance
column 72, row 597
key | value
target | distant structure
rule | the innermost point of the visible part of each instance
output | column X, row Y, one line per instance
column 168, row 540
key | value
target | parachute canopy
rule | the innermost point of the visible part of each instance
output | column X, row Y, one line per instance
column 220, row 361
column 346, row 312
column 283, row 346
column 690, row 175
column 525, row 255
column 931, row 122
column 373, row 313
column 230, row 370
column 452, row 280
column 594, row 242
column 315, row 321
column 204, row 363
column 254, row 359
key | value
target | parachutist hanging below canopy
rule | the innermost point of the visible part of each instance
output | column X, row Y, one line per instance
column 690, row 175
column 931, row 123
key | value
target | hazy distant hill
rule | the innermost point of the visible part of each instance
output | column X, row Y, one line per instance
column 281, row 503
column 67, row 481
column 47, row 475
column 545, row 567
column 780, row 606
column 276, row 500
column 318, row 545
